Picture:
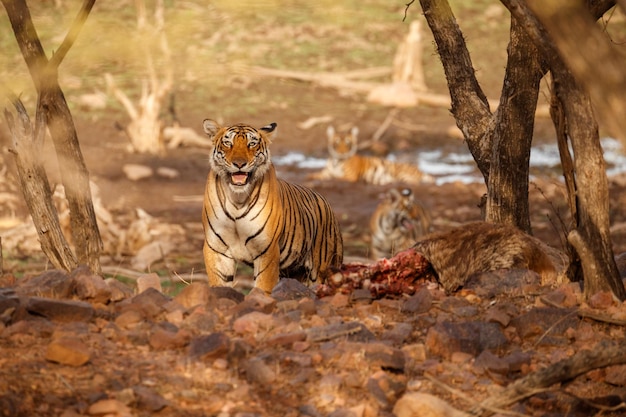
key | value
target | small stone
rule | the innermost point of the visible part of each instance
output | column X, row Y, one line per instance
column 209, row 347
column 108, row 407
column 291, row 289
column 129, row 319
column 418, row 303
column 470, row 337
column 136, row 172
column 601, row 300
column 119, row 290
column 196, row 293
column 166, row 172
column 228, row 293
column 149, row 399
column 162, row 339
column 68, row 351
column 257, row 371
column 616, row 375
column 88, row 286
column 147, row 281
column 487, row 361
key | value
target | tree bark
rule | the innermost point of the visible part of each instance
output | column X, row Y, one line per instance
column 507, row 200
column 500, row 143
column 588, row 184
column 27, row 145
column 74, row 174
column 582, row 45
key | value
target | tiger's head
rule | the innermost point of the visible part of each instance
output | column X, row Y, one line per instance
column 406, row 212
column 342, row 145
column 240, row 153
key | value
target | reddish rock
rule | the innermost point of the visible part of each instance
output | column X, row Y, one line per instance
column 546, row 322
column 90, row 287
column 60, row 310
column 291, row 289
column 194, row 294
column 418, row 303
column 616, row 375
column 258, row 371
column 162, row 339
column 147, row 281
column 470, row 337
column 68, row 351
column 50, row 284
column 209, row 347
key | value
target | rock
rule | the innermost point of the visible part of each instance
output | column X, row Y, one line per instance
column 162, row 339
column 119, row 290
column 194, row 294
column 291, row 289
column 50, row 284
column 470, row 337
column 68, row 351
column 384, row 389
column 398, row 334
column 259, row 300
column 151, row 302
column 169, row 173
column 252, row 322
column 418, row 303
column 258, row 372
column 149, row 281
column 88, row 286
column 601, row 300
column 60, row 310
column 129, row 318
column 616, row 375
column 459, row 307
column 9, row 302
column 109, row 407
column 546, row 322
column 148, row 399
column 383, row 356
column 209, row 347
column 227, row 293
column 136, row 172
column 415, row 404
column 333, row 331
column 487, row 361
column 150, row 253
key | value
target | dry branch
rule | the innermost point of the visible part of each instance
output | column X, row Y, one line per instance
column 603, row 355
column 27, row 144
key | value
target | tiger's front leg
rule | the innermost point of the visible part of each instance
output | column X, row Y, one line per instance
column 219, row 268
column 266, row 269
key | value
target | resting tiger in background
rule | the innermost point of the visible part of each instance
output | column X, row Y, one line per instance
column 397, row 223
column 251, row 216
column 344, row 163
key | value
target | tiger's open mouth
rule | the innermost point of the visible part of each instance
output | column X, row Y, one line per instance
column 239, row 178
column 407, row 224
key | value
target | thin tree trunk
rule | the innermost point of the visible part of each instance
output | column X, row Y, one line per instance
column 74, row 173
column 507, row 200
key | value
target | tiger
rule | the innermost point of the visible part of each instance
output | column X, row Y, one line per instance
column 396, row 224
column 344, row 163
column 251, row 216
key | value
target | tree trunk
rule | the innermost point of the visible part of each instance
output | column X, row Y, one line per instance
column 507, row 200
column 591, row 235
column 75, row 177
column 500, row 143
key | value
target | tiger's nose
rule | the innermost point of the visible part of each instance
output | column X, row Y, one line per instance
column 239, row 163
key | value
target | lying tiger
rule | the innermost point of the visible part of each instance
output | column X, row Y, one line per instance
column 251, row 216
column 344, row 163
column 397, row 223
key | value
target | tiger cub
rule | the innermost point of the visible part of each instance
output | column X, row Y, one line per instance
column 251, row 216
column 397, row 223
column 344, row 163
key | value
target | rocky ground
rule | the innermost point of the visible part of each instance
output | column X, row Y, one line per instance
column 80, row 345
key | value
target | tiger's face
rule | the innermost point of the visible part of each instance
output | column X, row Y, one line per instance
column 342, row 145
column 240, row 153
column 405, row 210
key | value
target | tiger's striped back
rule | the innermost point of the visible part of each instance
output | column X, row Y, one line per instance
column 397, row 223
column 344, row 163
column 250, row 216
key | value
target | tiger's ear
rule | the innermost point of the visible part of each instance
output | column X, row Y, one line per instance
column 210, row 127
column 354, row 131
column 394, row 195
column 269, row 130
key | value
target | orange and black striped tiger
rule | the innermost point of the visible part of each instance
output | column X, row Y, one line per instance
column 397, row 223
column 344, row 163
column 253, row 217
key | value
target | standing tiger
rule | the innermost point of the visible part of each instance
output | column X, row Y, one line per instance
column 251, row 216
column 344, row 163
column 397, row 223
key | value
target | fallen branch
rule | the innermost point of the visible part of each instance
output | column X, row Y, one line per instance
column 603, row 355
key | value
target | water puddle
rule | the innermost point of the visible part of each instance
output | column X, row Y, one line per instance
column 455, row 164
